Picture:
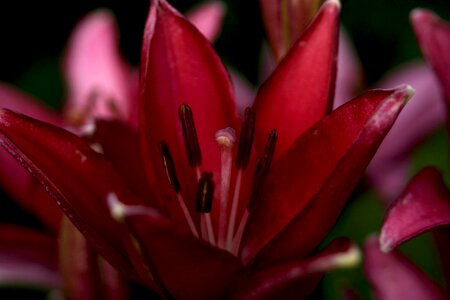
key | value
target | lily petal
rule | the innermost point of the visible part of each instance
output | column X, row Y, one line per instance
column 76, row 177
column 433, row 36
column 423, row 205
column 297, row 279
column 395, row 277
column 99, row 81
column 300, row 91
column 28, row 258
column 81, row 268
column 14, row 179
column 285, row 21
column 208, row 19
column 120, row 144
column 180, row 66
column 327, row 161
column 183, row 263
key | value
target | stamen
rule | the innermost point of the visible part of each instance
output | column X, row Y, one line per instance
column 262, row 167
column 246, row 139
column 225, row 139
column 169, row 166
column 191, row 143
column 233, row 212
column 205, row 195
column 239, row 232
column 171, row 174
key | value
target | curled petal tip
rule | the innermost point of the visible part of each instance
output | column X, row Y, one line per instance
column 337, row 3
column 385, row 243
column 420, row 14
column 405, row 91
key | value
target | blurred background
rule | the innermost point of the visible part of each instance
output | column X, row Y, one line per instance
column 33, row 37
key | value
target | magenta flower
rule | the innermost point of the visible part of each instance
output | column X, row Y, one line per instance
column 424, row 205
column 433, row 36
column 193, row 210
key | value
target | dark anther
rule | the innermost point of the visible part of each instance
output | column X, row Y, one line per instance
column 169, row 166
column 205, row 192
column 246, row 139
column 269, row 149
column 193, row 151
column 262, row 166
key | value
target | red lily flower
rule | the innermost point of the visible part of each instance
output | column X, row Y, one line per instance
column 92, row 65
column 186, row 222
column 433, row 36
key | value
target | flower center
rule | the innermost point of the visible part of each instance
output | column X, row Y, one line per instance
column 228, row 232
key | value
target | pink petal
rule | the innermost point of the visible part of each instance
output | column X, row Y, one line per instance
column 76, row 177
column 186, row 267
column 317, row 173
column 296, row 279
column 433, row 36
column 394, row 277
column 13, row 99
column 99, row 82
column 388, row 170
column 244, row 92
column 350, row 77
column 180, row 66
column 28, row 258
column 208, row 19
column 301, row 89
column 285, row 21
column 423, row 205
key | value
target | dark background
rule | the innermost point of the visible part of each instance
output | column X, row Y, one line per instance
column 33, row 36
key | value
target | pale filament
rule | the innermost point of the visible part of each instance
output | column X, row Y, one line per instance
column 233, row 213
column 187, row 215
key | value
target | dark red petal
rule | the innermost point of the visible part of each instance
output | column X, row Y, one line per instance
column 78, row 264
column 76, row 177
column 120, row 144
column 395, row 277
column 296, row 279
column 13, row 178
column 186, row 267
column 28, row 258
column 433, row 36
column 422, row 206
column 305, row 190
column 301, row 89
column 86, row 276
column 178, row 65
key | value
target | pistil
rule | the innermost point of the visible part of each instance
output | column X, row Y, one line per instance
column 225, row 139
